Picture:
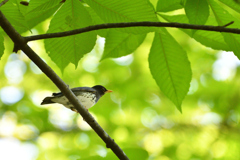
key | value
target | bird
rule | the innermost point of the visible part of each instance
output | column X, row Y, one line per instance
column 88, row 96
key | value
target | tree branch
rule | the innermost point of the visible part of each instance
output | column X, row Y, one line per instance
column 3, row 2
column 135, row 24
column 22, row 44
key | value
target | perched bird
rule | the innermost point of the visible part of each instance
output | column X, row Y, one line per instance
column 86, row 95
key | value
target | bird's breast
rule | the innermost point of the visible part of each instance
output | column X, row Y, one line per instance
column 87, row 99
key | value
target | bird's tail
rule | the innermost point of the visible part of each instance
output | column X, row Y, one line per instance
column 47, row 100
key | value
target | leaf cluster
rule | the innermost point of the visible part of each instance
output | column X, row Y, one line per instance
column 168, row 61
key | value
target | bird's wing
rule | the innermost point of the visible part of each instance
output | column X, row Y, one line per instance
column 76, row 91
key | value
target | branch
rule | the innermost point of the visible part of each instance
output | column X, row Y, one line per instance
column 22, row 44
column 135, row 24
column 3, row 2
column 228, row 24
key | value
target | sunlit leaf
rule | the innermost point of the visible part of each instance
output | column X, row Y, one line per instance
column 97, row 20
column 169, row 5
column 124, row 11
column 170, row 67
column 39, row 11
column 223, row 17
column 71, row 15
column 234, row 4
column 214, row 40
column 197, row 12
column 11, row 10
column 120, row 44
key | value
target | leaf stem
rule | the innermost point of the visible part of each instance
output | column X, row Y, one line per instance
column 228, row 24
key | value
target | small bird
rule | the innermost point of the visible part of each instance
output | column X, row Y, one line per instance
column 88, row 96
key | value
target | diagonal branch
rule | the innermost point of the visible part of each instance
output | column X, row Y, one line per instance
column 3, row 2
column 135, row 24
column 22, row 44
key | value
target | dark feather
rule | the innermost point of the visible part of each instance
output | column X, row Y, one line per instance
column 97, row 90
column 47, row 100
column 76, row 91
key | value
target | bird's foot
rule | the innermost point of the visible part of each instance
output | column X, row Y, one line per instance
column 73, row 109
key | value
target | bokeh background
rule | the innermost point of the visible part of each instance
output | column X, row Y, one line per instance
column 136, row 115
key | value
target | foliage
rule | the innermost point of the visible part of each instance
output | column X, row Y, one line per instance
column 209, row 125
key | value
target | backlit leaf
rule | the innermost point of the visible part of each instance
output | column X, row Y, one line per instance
column 167, row 5
column 170, row 67
column 234, row 4
column 39, row 11
column 125, row 11
column 211, row 39
column 71, row 15
column 11, row 10
column 120, row 44
column 223, row 17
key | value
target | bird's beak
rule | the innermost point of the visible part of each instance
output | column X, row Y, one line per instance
column 108, row 91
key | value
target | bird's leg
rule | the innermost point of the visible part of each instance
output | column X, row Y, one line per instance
column 73, row 109
column 87, row 110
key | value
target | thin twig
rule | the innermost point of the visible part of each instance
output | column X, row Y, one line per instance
column 228, row 24
column 3, row 2
column 134, row 24
column 22, row 44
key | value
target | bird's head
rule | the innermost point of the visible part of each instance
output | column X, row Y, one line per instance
column 101, row 90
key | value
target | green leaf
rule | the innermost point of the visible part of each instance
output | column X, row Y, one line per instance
column 71, row 15
column 169, row 5
column 214, row 40
column 197, row 11
column 92, row 158
column 223, row 17
column 97, row 20
column 125, row 11
column 136, row 153
column 132, row 153
column 120, row 44
column 232, row 4
column 1, row 45
column 170, row 67
column 39, row 11
column 11, row 10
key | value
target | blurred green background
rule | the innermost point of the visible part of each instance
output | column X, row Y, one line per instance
column 141, row 120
